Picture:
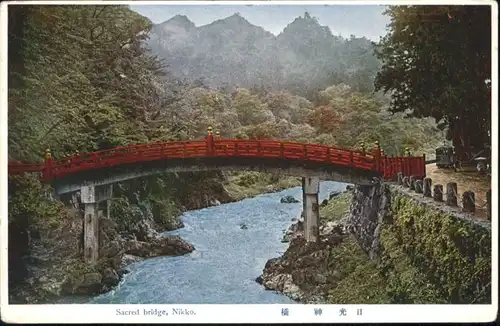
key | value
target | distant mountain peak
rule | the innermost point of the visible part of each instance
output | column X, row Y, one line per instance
column 232, row 51
column 180, row 20
column 236, row 18
column 235, row 22
column 236, row 15
column 306, row 25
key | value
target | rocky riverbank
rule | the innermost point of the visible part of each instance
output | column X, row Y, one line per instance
column 303, row 272
column 45, row 255
column 318, row 272
column 55, row 267
column 378, row 246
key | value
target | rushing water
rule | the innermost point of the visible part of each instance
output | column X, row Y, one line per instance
column 227, row 259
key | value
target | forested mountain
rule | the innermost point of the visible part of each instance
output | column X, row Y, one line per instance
column 303, row 59
column 82, row 79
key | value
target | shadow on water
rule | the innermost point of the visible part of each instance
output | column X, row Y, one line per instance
column 227, row 259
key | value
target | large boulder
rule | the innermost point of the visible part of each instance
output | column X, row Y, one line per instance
column 331, row 227
column 144, row 230
column 110, row 277
column 214, row 202
column 271, row 263
column 87, row 284
column 289, row 200
column 162, row 246
column 283, row 283
column 295, row 230
column 129, row 259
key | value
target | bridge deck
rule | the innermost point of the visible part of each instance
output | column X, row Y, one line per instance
column 235, row 151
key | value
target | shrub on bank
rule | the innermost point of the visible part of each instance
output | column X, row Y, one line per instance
column 247, row 184
column 31, row 213
column 336, row 208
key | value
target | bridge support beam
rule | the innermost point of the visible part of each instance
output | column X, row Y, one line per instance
column 108, row 208
column 91, row 196
column 90, row 224
column 310, row 201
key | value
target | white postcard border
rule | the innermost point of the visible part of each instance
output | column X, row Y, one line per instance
column 107, row 313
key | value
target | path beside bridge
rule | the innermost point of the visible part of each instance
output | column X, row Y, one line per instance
column 466, row 181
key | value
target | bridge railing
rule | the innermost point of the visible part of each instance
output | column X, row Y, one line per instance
column 292, row 151
column 20, row 167
column 408, row 165
column 219, row 147
column 129, row 154
column 216, row 148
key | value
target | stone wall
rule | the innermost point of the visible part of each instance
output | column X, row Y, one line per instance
column 370, row 207
column 428, row 251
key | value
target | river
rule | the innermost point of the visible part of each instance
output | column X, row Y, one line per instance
column 227, row 259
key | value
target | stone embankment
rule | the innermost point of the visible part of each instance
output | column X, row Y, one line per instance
column 389, row 244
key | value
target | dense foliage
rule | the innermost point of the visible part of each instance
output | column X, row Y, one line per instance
column 340, row 116
column 86, row 81
column 428, row 257
column 422, row 244
column 437, row 63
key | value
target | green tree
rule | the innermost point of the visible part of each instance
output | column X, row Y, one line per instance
column 249, row 108
column 347, row 117
column 86, row 82
column 437, row 63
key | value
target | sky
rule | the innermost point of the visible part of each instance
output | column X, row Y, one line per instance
column 359, row 20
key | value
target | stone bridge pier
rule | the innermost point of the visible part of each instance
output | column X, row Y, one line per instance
column 310, row 201
column 91, row 196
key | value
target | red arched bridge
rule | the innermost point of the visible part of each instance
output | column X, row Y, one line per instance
column 94, row 173
column 214, row 153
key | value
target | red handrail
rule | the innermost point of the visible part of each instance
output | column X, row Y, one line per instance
column 19, row 167
column 227, row 148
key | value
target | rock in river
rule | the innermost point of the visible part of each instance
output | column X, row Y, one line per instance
column 163, row 246
column 288, row 200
